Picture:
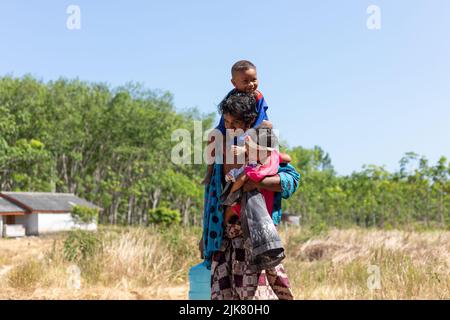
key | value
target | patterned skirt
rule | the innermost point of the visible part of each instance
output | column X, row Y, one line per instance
column 232, row 279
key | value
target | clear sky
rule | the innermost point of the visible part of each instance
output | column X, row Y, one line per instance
column 365, row 96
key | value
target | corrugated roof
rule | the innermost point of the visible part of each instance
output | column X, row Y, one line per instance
column 47, row 201
column 7, row 206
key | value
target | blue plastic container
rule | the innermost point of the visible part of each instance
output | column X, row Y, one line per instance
column 199, row 282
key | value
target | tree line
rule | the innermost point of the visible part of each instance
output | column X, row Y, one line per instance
column 113, row 146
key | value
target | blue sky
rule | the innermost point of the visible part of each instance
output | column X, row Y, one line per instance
column 365, row 96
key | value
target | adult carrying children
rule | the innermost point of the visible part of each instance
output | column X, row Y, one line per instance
column 234, row 273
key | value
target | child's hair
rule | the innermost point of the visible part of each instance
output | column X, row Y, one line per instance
column 265, row 137
column 242, row 65
column 240, row 105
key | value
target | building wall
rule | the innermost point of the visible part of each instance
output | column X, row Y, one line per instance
column 38, row 223
column 23, row 220
column 32, row 224
column 53, row 222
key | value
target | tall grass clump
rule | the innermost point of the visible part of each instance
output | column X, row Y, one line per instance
column 26, row 275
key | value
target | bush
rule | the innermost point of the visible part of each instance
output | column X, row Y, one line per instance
column 81, row 245
column 84, row 214
column 164, row 216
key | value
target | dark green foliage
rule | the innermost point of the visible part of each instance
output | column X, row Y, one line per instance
column 110, row 146
column 417, row 195
column 84, row 214
column 164, row 216
column 113, row 147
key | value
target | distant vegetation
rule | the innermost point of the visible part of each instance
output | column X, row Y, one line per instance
column 112, row 146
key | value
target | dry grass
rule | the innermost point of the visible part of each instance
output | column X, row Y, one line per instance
column 335, row 265
column 134, row 263
column 150, row 263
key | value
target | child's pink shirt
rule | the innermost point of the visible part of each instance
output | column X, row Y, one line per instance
column 259, row 173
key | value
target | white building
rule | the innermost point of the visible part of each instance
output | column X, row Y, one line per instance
column 34, row 213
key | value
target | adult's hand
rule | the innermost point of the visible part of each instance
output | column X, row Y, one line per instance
column 250, row 185
column 270, row 183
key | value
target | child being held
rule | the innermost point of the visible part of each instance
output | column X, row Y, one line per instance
column 244, row 79
column 261, row 160
column 253, row 208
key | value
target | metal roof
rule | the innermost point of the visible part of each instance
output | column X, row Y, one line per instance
column 7, row 206
column 46, row 201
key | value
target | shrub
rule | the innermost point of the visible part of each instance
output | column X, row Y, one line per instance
column 84, row 214
column 81, row 245
column 164, row 216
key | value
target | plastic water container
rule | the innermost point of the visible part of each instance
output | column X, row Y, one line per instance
column 199, row 282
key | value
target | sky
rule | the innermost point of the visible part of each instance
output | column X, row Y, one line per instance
column 366, row 96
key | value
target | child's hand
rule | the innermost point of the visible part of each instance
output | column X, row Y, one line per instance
column 267, row 124
column 229, row 177
column 237, row 150
column 285, row 158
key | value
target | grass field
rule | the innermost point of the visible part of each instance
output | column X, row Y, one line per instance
column 153, row 263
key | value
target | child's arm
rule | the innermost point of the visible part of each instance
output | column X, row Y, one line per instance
column 238, row 150
column 233, row 174
column 285, row 158
column 240, row 181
